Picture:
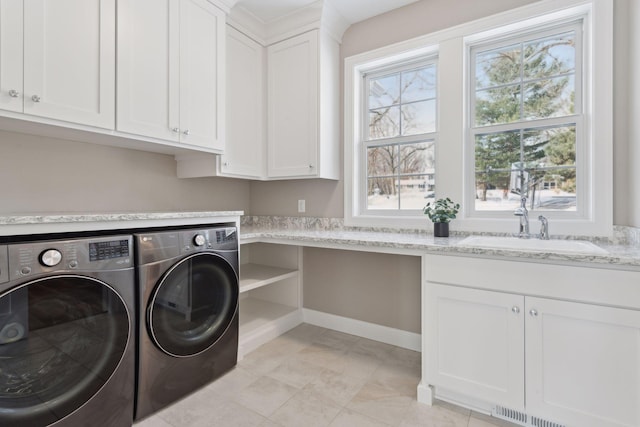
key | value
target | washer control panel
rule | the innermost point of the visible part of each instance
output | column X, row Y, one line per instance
column 92, row 254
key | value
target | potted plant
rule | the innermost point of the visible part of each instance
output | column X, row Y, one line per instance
column 441, row 212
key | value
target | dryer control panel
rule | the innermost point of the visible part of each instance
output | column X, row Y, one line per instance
column 222, row 238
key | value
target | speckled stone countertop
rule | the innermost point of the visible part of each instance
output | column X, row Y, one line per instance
column 15, row 225
column 622, row 251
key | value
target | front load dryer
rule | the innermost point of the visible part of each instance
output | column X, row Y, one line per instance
column 67, row 333
column 188, row 314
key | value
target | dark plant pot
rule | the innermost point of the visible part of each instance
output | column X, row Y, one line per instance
column 441, row 229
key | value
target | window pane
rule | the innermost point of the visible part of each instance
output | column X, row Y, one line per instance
column 417, row 158
column 384, row 122
column 496, row 155
column 498, row 106
column 418, row 85
column 550, row 57
column 382, row 160
column 416, row 191
column 549, row 98
column 382, row 194
column 498, row 67
column 384, row 91
column 419, row 117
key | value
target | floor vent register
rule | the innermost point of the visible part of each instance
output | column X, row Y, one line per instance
column 522, row 418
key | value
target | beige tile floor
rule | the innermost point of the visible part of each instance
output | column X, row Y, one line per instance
column 313, row 377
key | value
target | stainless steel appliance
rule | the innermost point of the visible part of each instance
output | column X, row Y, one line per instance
column 188, row 325
column 67, row 335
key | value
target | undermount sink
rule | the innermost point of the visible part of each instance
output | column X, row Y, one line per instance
column 533, row 244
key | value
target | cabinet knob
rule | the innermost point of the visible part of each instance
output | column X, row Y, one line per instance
column 533, row 312
column 14, row 93
column 35, row 98
column 310, row 166
column 515, row 309
column 176, row 129
column 186, row 132
column 225, row 163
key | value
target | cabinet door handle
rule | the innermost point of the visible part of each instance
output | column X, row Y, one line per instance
column 14, row 93
column 176, row 129
column 515, row 309
column 35, row 98
column 533, row 312
column 186, row 132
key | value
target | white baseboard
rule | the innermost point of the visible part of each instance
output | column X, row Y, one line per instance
column 397, row 337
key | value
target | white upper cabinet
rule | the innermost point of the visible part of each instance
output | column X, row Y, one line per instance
column 302, row 99
column 58, row 59
column 245, row 149
column 171, row 71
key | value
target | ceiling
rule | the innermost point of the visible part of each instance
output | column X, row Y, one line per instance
column 352, row 10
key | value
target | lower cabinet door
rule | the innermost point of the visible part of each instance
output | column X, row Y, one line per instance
column 583, row 363
column 476, row 341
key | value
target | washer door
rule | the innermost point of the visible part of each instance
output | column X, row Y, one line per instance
column 61, row 339
column 193, row 305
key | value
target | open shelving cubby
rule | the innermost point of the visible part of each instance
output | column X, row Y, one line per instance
column 270, row 292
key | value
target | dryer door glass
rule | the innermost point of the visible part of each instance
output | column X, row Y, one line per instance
column 193, row 305
column 61, row 338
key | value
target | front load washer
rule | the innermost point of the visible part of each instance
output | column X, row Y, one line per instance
column 188, row 314
column 67, row 332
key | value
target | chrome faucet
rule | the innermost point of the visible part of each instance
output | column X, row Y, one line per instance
column 544, row 228
column 523, row 213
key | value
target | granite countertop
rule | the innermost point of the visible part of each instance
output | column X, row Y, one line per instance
column 319, row 233
column 15, row 225
column 622, row 250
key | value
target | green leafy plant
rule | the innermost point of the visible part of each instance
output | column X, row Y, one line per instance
column 442, row 210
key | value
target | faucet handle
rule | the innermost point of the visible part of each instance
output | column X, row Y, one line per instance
column 544, row 227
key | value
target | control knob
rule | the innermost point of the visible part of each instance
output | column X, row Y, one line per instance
column 50, row 257
column 199, row 240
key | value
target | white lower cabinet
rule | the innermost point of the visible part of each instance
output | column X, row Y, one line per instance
column 270, row 293
column 534, row 360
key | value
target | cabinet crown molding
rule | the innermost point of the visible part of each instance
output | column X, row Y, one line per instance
column 318, row 15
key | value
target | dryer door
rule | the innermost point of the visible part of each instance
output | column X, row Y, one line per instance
column 193, row 304
column 61, row 339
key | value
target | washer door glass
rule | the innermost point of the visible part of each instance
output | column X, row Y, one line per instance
column 193, row 305
column 61, row 339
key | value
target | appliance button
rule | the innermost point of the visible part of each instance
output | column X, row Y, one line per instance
column 25, row 270
column 199, row 240
column 73, row 264
column 50, row 257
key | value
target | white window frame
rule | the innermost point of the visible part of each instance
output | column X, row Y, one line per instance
column 366, row 143
column 577, row 119
column 452, row 159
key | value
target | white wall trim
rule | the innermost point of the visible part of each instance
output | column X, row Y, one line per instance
column 385, row 334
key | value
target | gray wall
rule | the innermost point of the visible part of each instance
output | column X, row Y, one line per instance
column 47, row 175
column 377, row 288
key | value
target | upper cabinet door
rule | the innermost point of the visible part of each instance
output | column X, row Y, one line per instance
column 293, row 89
column 11, row 20
column 245, row 146
column 202, row 94
column 69, row 60
column 148, row 68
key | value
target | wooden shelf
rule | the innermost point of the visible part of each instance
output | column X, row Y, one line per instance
column 254, row 276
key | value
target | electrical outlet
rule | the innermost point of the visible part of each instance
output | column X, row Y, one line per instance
column 301, row 206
